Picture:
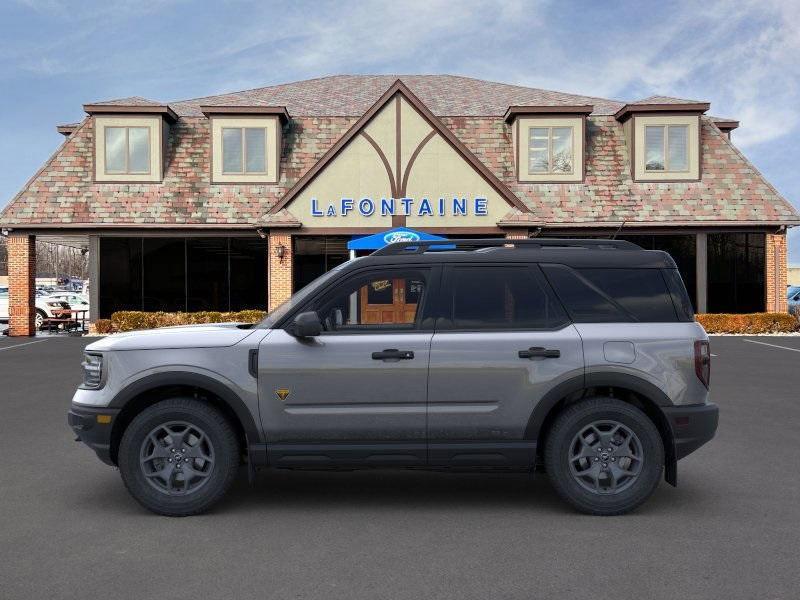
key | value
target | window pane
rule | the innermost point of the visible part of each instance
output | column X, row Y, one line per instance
column 207, row 274
column 255, row 139
column 138, row 149
column 164, row 277
column 115, row 149
column 231, row 150
column 502, row 298
column 374, row 302
column 678, row 140
column 585, row 303
column 642, row 292
column 562, row 149
column 248, row 274
column 538, row 150
column 736, row 268
column 120, row 266
column 654, row 148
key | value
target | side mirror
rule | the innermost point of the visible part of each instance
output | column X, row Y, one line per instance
column 306, row 325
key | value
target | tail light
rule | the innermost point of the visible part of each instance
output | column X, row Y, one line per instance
column 702, row 362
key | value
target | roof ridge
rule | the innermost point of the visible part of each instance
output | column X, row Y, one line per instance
column 260, row 88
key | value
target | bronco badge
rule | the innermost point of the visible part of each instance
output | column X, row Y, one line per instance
column 282, row 394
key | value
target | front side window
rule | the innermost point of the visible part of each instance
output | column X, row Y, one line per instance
column 387, row 300
column 666, row 147
column 550, row 150
column 244, row 150
column 127, row 150
column 492, row 297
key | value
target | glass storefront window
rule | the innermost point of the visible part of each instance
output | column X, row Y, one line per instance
column 180, row 274
column 735, row 272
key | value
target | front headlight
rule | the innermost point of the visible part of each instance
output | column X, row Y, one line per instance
column 92, row 371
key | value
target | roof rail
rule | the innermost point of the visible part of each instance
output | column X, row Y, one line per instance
column 422, row 246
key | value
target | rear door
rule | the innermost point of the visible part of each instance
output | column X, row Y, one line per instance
column 502, row 341
column 357, row 393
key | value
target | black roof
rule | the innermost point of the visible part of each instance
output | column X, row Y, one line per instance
column 571, row 252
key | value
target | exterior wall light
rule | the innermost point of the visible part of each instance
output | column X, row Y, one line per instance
column 280, row 252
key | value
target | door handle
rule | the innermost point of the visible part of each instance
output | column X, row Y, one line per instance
column 539, row 352
column 393, row 354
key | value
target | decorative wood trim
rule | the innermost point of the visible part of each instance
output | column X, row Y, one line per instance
column 412, row 158
column 399, row 87
column 630, row 109
column 515, row 111
column 279, row 111
column 131, row 109
column 384, row 160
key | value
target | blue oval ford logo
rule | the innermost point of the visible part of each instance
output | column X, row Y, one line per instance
column 400, row 236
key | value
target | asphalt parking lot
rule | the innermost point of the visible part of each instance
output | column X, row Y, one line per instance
column 731, row 529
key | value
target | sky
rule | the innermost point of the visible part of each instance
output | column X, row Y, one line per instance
column 739, row 55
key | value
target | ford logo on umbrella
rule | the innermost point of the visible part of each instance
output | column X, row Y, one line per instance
column 400, row 236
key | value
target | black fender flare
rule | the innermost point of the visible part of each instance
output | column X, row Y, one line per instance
column 199, row 380
column 609, row 379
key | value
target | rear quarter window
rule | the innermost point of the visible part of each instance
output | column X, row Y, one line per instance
column 600, row 295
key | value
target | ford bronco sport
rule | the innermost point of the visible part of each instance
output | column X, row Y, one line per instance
column 580, row 358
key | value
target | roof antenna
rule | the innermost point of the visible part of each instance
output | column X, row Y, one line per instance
column 616, row 233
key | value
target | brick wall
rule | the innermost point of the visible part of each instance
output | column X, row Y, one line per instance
column 279, row 283
column 21, row 284
column 775, row 273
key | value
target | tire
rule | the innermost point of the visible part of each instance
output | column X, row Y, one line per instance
column 207, row 450
column 39, row 318
column 586, row 474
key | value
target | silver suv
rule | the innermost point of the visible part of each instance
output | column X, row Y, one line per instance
column 580, row 358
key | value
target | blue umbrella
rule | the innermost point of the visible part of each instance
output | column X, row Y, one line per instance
column 397, row 234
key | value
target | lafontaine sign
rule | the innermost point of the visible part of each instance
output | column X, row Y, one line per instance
column 422, row 207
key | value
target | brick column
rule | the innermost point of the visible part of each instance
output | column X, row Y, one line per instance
column 279, row 284
column 775, row 273
column 21, row 284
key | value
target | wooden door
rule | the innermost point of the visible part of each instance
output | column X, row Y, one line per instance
column 389, row 301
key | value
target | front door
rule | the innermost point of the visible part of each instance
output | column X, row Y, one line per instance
column 502, row 341
column 356, row 393
column 389, row 301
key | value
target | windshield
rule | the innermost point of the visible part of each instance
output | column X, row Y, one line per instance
column 300, row 296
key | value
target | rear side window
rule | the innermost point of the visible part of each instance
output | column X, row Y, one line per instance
column 609, row 295
column 495, row 297
column 680, row 297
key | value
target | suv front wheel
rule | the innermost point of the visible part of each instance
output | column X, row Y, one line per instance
column 604, row 456
column 178, row 457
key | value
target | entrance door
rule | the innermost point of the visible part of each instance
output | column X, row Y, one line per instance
column 501, row 343
column 357, row 392
column 390, row 300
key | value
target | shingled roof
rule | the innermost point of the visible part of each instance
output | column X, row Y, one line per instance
column 731, row 191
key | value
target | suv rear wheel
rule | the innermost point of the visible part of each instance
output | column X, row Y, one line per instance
column 604, row 456
column 178, row 457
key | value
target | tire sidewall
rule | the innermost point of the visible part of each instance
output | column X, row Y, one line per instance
column 575, row 419
column 226, row 457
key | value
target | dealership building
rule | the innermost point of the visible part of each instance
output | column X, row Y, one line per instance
column 234, row 201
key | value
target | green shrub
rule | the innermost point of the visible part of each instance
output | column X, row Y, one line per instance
column 751, row 323
column 130, row 320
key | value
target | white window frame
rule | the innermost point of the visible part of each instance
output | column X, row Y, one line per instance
column 665, row 148
column 272, row 139
column 635, row 134
column 244, row 171
column 127, row 129
column 158, row 132
column 550, row 170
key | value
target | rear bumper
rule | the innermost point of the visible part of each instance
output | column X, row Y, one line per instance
column 96, row 434
column 692, row 426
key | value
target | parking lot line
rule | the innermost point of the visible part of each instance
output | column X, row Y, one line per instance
column 773, row 345
column 20, row 345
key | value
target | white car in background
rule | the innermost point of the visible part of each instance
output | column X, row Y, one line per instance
column 76, row 300
column 47, row 307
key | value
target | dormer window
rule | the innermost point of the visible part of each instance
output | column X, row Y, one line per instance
column 550, row 150
column 244, row 150
column 666, row 148
column 127, row 150
column 245, row 143
column 548, row 142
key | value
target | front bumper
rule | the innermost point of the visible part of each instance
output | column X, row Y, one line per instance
column 93, row 427
column 692, row 426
